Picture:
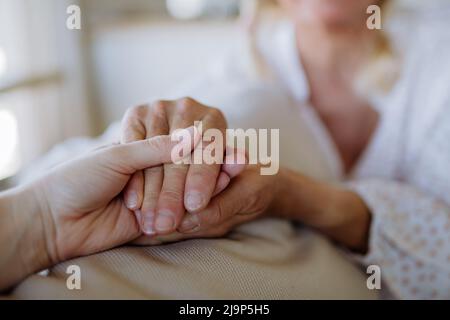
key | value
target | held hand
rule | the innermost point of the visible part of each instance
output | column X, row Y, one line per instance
column 248, row 197
column 161, row 195
column 339, row 213
column 82, row 207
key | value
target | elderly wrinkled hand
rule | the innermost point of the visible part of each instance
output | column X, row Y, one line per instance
column 160, row 196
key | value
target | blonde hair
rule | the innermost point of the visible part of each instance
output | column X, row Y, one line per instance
column 382, row 70
column 253, row 13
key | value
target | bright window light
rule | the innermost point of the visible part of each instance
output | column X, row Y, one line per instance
column 8, row 144
column 186, row 9
column 3, row 62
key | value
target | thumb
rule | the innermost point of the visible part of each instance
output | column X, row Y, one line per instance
column 131, row 157
column 234, row 165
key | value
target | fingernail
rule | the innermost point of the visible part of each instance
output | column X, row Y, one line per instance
column 132, row 200
column 165, row 221
column 148, row 224
column 194, row 201
column 190, row 224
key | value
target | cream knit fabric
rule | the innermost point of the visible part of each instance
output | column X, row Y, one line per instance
column 268, row 259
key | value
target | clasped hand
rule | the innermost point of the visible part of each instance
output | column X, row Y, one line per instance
column 172, row 202
column 133, row 192
column 137, row 192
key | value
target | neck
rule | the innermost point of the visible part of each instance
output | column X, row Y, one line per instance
column 333, row 50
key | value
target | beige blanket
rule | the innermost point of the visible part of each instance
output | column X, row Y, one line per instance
column 268, row 259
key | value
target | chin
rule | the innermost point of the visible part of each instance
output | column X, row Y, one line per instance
column 330, row 13
column 333, row 18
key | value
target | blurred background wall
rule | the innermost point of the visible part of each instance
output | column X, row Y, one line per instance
column 57, row 83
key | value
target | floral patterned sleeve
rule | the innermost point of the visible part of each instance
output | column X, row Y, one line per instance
column 409, row 239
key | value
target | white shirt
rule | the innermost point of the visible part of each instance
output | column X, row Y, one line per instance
column 404, row 173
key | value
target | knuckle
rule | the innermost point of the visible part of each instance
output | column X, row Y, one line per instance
column 219, row 213
column 172, row 195
column 136, row 181
column 176, row 169
column 129, row 122
column 204, row 171
column 132, row 130
column 217, row 114
column 138, row 111
column 132, row 123
column 150, row 172
column 159, row 108
column 150, row 197
column 186, row 105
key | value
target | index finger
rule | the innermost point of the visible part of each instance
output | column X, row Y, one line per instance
column 133, row 129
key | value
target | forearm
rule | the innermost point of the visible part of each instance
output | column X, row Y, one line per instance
column 22, row 241
column 338, row 213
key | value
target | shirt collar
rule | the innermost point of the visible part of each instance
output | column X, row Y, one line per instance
column 288, row 62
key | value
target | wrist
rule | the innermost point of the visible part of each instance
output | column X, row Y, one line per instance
column 274, row 205
column 339, row 213
column 302, row 199
column 336, row 212
column 23, row 237
column 349, row 220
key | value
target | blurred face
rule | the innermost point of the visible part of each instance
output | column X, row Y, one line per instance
column 329, row 13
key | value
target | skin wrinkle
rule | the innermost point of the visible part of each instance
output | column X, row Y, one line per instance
column 45, row 210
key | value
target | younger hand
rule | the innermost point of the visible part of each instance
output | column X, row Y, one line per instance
column 81, row 203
